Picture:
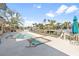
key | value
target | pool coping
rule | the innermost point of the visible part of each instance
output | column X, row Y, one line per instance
column 60, row 44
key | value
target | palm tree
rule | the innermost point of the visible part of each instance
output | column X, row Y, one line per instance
column 44, row 21
column 40, row 26
column 8, row 14
column 4, row 11
column 2, row 24
column 58, row 25
column 49, row 20
column 16, row 21
column 3, row 6
column 35, row 25
column 66, row 25
column 51, row 24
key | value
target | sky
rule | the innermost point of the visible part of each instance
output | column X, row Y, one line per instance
column 37, row 12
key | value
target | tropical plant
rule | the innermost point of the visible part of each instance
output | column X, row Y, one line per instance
column 66, row 25
column 51, row 24
column 58, row 25
column 44, row 21
column 40, row 26
column 16, row 21
column 3, row 6
column 12, row 18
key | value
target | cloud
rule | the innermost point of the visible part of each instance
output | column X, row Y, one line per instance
column 71, row 9
column 37, row 6
column 28, row 23
column 61, row 9
column 50, row 14
column 25, row 18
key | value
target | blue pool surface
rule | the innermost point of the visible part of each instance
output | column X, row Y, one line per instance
column 34, row 41
column 24, row 36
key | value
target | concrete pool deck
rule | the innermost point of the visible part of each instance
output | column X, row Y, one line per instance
column 62, row 45
column 56, row 47
column 11, row 47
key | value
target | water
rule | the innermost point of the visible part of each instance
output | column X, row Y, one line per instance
column 23, row 36
column 34, row 41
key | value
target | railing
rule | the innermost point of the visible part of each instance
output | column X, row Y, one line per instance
column 73, row 38
column 70, row 36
